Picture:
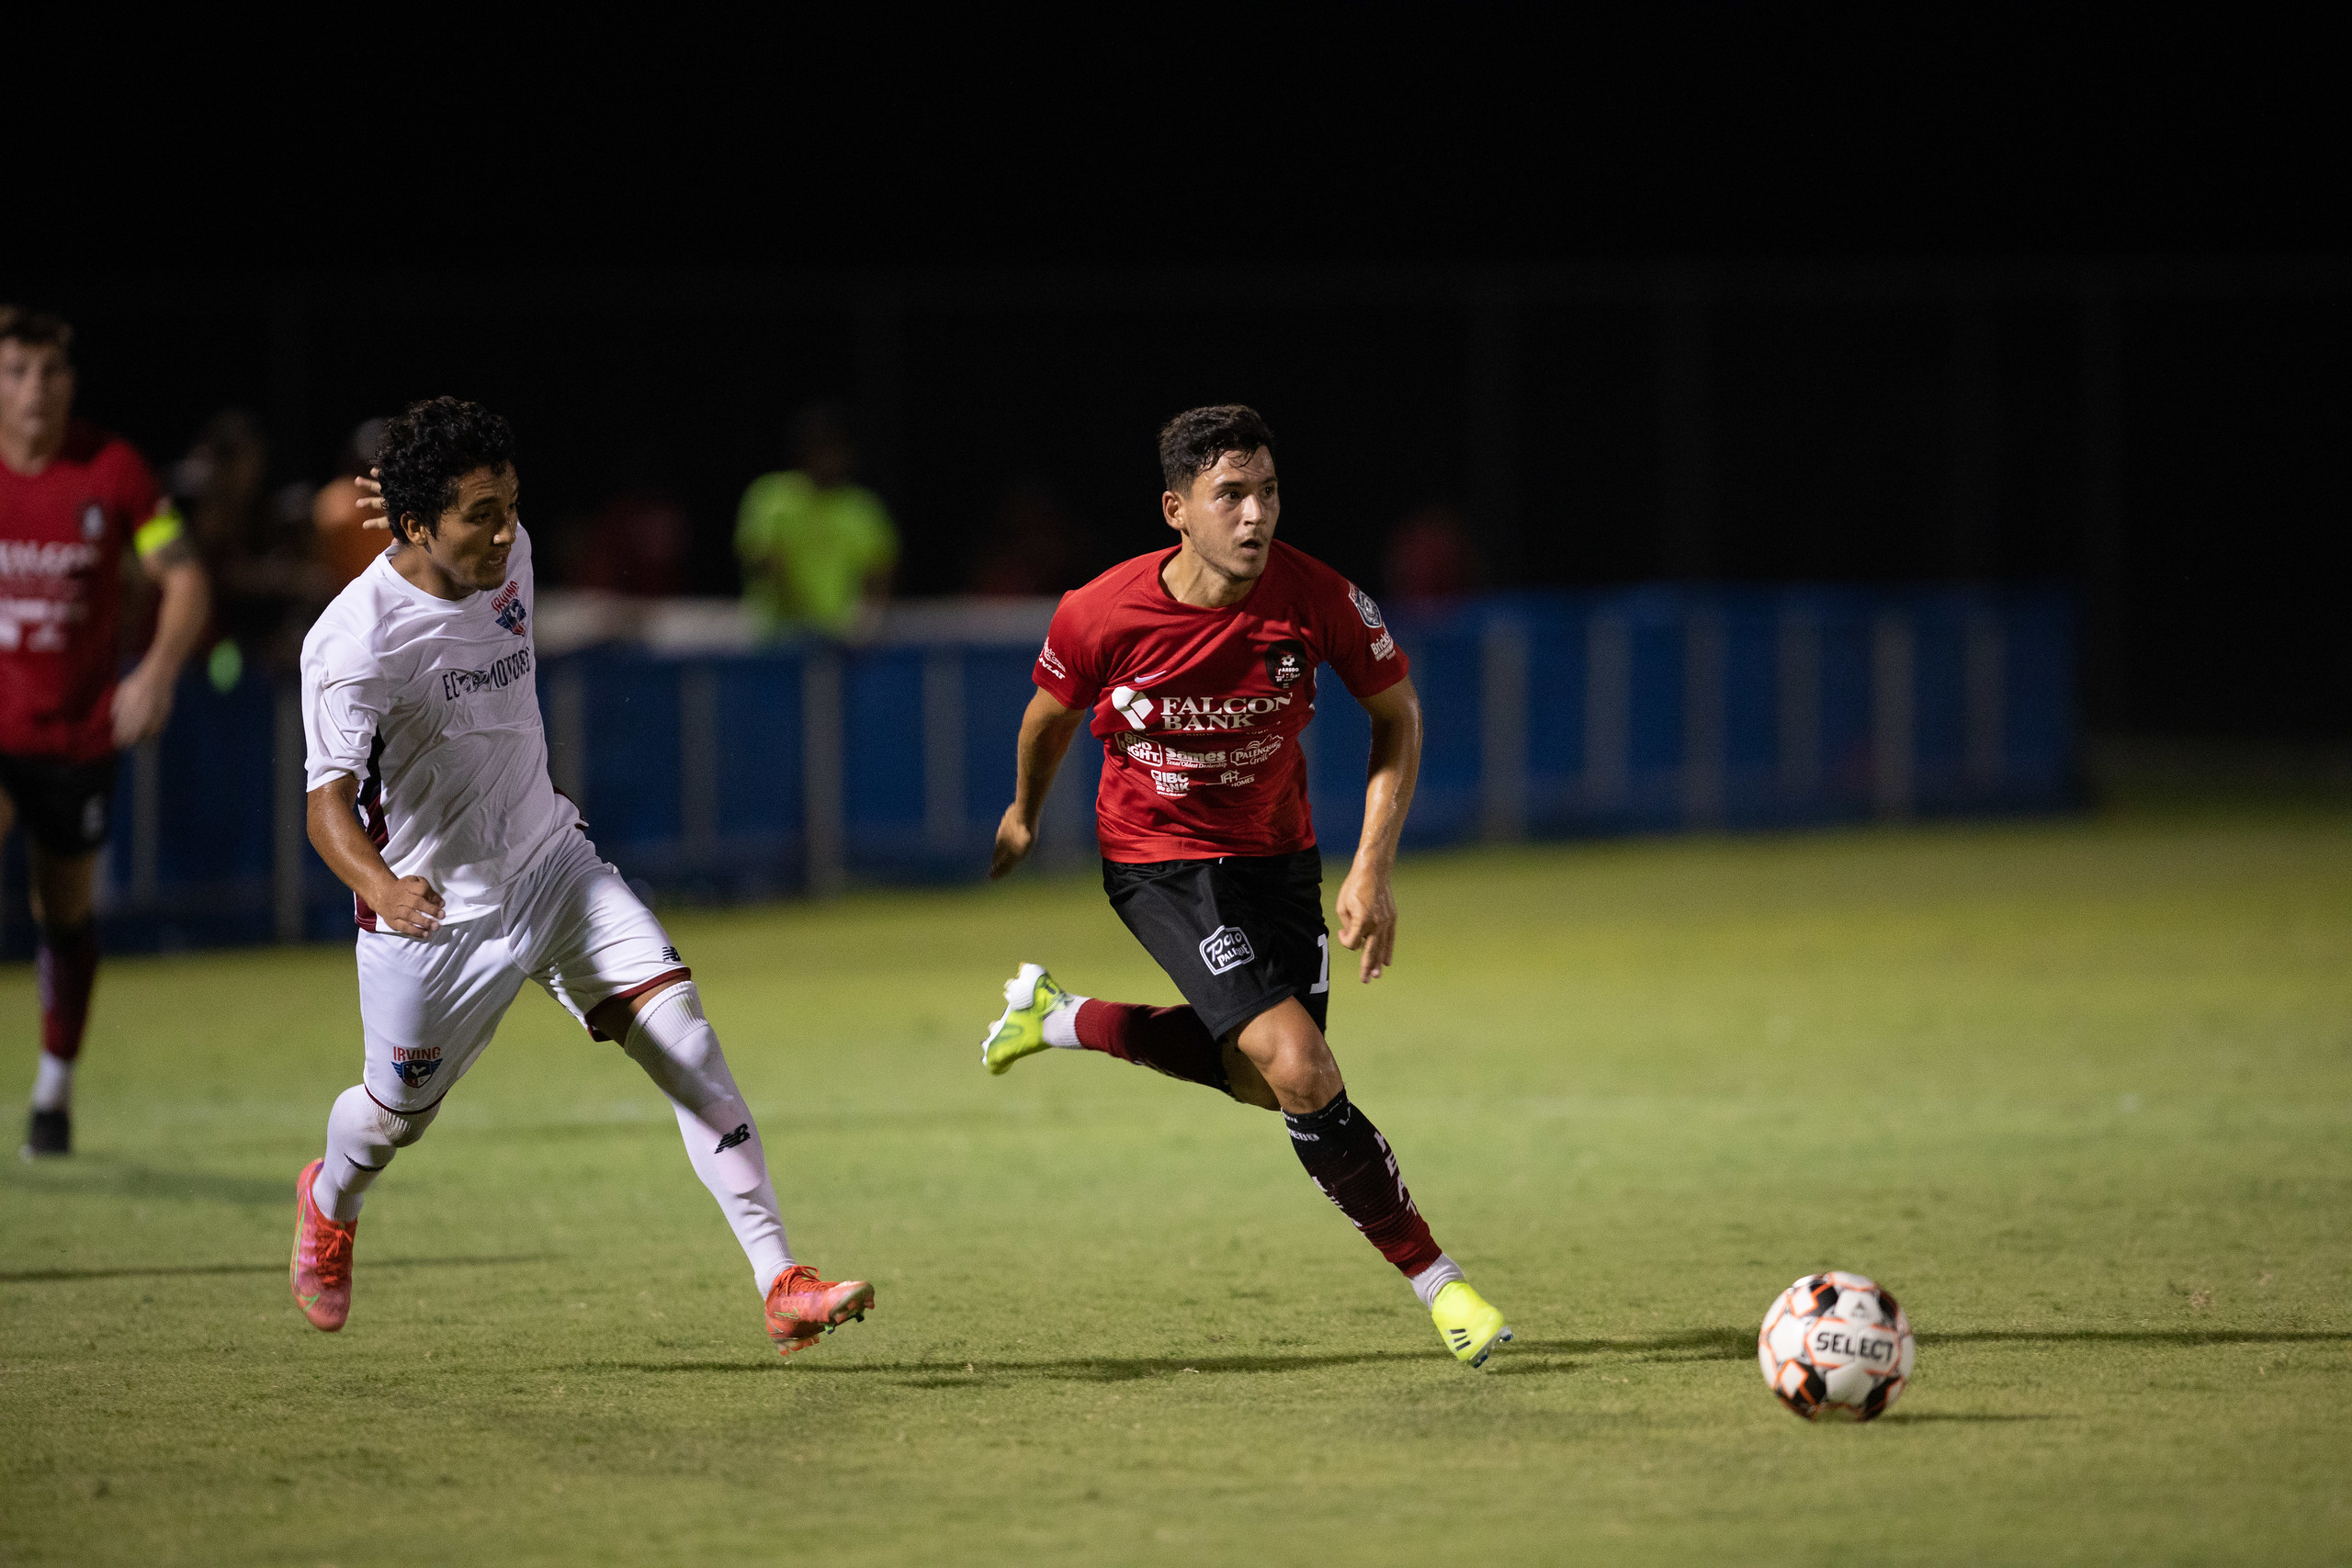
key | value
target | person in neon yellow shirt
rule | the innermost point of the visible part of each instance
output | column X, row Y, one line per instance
column 816, row 548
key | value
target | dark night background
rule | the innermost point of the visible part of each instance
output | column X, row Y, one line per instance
column 1717, row 296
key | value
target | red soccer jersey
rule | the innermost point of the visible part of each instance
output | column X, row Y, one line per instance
column 63, row 532
column 1200, row 710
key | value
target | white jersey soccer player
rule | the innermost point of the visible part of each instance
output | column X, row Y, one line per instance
column 429, row 795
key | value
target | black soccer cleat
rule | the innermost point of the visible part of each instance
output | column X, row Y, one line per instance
column 48, row 1132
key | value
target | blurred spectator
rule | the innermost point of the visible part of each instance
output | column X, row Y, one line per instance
column 1431, row 556
column 253, row 544
column 816, row 548
column 342, row 546
column 636, row 544
column 1031, row 549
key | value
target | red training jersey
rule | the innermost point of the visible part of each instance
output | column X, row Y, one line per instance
column 1200, row 710
column 63, row 532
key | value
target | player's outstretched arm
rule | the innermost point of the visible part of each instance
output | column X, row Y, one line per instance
column 1046, row 731
column 407, row 904
column 1366, row 907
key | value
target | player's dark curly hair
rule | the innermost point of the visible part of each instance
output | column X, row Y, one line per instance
column 428, row 448
column 1191, row 444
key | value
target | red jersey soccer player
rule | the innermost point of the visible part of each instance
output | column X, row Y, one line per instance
column 1196, row 667
column 71, row 498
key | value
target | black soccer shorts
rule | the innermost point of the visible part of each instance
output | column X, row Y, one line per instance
column 1238, row 934
column 64, row 805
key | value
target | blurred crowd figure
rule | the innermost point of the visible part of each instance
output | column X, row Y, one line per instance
column 254, row 542
column 344, row 546
column 1030, row 550
column 638, row 543
column 817, row 548
column 1431, row 556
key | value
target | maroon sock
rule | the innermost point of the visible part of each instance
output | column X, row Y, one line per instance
column 1351, row 1161
column 66, row 967
column 1167, row 1039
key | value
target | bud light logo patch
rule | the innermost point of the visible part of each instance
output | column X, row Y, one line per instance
column 416, row 1064
column 1227, row 947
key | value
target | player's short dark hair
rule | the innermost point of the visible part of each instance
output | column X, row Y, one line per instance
column 428, row 448
column 1191, row 444
column 37, row 329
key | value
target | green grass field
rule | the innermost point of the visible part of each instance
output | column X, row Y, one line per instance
column 2080, row 1093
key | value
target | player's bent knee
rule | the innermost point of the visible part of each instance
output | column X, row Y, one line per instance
column 1245, row 1082
column 401, row 1130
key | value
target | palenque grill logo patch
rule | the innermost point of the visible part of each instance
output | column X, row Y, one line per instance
column 1227, row 947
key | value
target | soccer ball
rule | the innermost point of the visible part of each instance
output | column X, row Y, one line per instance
column 1836, row 1345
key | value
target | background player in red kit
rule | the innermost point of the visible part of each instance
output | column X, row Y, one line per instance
column 1196, row 667
column 71, row 498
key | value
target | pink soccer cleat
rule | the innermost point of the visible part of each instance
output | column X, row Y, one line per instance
column 322, row 1268
column 801, row 1306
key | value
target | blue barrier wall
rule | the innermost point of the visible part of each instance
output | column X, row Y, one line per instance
column 752, row 775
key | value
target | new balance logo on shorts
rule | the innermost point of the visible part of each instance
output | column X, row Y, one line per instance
column 669, row 955
column 741, row 1134
column 1227, row 947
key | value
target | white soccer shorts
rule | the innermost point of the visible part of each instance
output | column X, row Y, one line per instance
column 428, row 1005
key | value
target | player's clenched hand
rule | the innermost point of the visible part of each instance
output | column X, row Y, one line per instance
column 143, row 701
column 1015, row 837
column 1367, row 912
column 371, row 501
column 409, row 905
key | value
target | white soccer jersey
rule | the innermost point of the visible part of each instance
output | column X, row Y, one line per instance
column 433, row 705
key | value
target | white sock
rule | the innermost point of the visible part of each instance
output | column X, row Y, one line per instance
column 53, row 1084
column 362, row 1138
column 679, row 1051
column 1435, row 1277
column 1061, row 1022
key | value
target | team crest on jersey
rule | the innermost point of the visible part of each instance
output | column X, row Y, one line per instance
column 1227, row 947
column 93, row 521
column 1285, row 663
column 1366, row 608
column 508, row 608
column 416, row 1064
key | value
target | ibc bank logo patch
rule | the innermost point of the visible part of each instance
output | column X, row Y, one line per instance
column 1227, row 947
column 416, row 1064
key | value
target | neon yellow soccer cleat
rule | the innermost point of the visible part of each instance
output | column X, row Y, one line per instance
column 1028, row 997
column 1470, row 1328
